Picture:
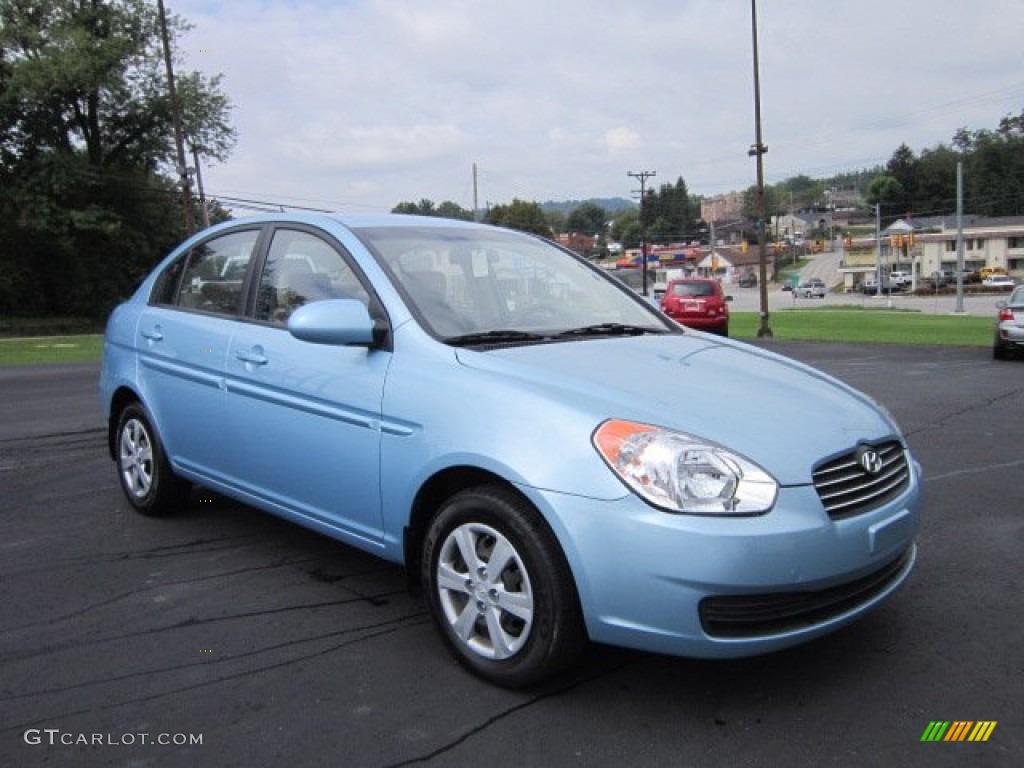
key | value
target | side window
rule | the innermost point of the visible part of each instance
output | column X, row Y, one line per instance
column 213, row 277
column 165, row 290
column 302, row 268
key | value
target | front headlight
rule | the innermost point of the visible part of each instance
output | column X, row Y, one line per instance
column 682, row 473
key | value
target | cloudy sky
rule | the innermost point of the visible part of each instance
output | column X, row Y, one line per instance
column 358, row 105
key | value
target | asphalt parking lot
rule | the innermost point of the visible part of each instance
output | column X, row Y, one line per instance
column 274, row 645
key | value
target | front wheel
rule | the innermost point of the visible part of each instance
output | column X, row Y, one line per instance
column 499, row 588
column 142, row 468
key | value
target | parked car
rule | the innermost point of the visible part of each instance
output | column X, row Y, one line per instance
column 987, row 272
column 970, row 276
column 1002, row 282
column 748, row 280
column 812, row 289
column 550, row 457
column 1009, row 335
column 870, row 286
column 698, row 302
column 942, row 277
column 901, row 280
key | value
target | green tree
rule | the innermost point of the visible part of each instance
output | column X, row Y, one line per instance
column 887, row 192
column 426, row 207
column 801, row 193
column 670, row 214
column 521, row 215
column 773, row 202
column 936, row 181
column 903, row 168
column 994, row 172
column 589, row 218
column 88, row 200
column 625, row 227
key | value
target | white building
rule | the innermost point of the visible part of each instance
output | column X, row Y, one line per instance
column 997, row 242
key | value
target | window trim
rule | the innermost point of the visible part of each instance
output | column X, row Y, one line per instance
column 378, row 312
column 185, row 258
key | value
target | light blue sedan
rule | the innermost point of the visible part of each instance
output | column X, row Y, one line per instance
column 548, row 455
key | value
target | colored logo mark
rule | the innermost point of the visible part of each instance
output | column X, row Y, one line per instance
column 958, row 730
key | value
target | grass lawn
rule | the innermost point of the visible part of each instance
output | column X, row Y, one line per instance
column 868, row 326
column 50, row 349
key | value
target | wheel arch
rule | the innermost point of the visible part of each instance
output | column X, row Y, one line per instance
column 439, row 487
column 122, row 397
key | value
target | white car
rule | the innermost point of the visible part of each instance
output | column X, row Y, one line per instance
column 900, row 279
column 999, row 281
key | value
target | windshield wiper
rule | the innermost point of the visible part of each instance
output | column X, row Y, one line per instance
column 609, row 329
column 497, row 336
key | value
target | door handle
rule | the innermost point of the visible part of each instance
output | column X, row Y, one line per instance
column 153, row 335
column 253, row 356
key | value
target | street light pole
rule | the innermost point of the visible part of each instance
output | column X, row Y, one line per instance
column 758, row 150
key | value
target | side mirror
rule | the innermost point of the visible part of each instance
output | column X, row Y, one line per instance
column 339, row 322
column 728, row 297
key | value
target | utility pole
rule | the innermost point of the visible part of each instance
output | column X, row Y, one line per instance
column 643, row 176
column 758, row 150
column 959, row 238
column 204, row 214
column 476, row 215
column 179, row 137
column 878, row 250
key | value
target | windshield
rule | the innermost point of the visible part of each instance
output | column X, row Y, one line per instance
column 468, row 282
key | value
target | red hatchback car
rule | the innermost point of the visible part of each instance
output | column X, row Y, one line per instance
column 697, row 302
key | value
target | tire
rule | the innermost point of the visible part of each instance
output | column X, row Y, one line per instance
column 1000, row 351
column 142, row 468
column 512, row 627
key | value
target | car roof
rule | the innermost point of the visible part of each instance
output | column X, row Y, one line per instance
column 347, row 220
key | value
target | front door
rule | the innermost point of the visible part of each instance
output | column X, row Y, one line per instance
column 306, row 417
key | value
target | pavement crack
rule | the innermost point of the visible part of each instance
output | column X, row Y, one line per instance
column 979, row 405
column 497, row 718
column 382, row 629
column 373, row 599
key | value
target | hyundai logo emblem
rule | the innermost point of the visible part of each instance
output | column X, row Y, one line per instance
column 870, row 461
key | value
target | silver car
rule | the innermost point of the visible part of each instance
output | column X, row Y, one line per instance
column 1009, row 325
column 812, row 289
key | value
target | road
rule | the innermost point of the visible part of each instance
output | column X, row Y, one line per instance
column 748, row 300
column 275, row 646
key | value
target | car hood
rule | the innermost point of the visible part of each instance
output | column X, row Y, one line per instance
column 785, row 416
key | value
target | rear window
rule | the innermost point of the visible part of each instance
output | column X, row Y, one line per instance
column 693, row 289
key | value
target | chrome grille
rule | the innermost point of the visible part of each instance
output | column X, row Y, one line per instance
column 847, row 489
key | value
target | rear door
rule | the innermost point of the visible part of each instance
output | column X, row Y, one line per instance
column 307, row 416
column 182, row 338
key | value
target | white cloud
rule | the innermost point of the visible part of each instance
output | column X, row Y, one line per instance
column 618, row 141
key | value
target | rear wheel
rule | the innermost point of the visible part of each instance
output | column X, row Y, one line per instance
column 499, row 588
column 142, row 468
column 999, row 350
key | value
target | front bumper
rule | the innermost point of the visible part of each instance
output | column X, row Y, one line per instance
column 728, row 587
